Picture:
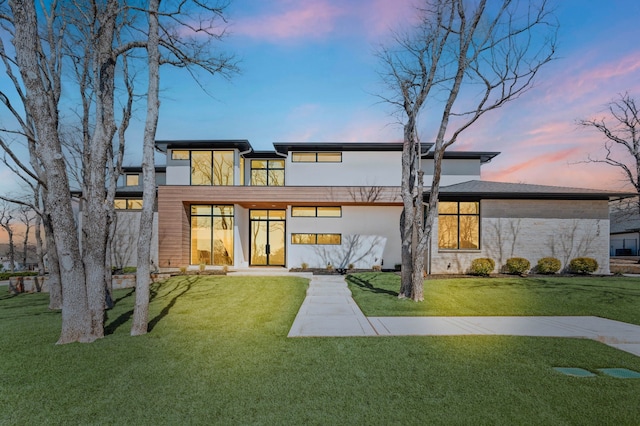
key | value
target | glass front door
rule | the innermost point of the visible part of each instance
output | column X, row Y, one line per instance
column 267, row 237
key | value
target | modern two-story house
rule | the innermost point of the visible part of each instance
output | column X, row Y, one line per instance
column 221, row 203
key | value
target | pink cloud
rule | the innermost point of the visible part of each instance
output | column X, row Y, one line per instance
column 312, row 18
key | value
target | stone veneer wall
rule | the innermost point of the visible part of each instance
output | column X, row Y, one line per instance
column 533, row 229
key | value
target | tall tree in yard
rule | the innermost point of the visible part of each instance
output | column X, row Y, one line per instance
column 462, row 60
column 94, row 38
column 170, row 40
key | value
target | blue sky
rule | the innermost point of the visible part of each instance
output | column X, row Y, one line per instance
column 309, row 74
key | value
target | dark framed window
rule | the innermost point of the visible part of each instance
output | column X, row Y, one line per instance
column 316, row 157
column 127, row 203
column 179, row 154
column 267, row 172
column 132, row 180
column 459, row 225
column 324, row 239
column 212, row 234
column 304, row 211
column 212, row 168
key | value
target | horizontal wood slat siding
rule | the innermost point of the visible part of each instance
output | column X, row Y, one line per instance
column 173, row 230
column 298, row 195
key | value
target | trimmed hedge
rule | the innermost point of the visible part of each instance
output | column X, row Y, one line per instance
column 482, row 266
column 517, row 265
column 6, row 275
column 583, row 265
column 548, row 265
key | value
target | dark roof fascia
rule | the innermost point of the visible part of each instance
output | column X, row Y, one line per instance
column 240, row 144
column 444, row 196
column 263, row 154
column 138, row 169
column 286, row 147
column 483, row 156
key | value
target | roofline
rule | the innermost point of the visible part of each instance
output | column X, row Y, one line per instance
column 127, row 169
column 263, row 154
column 286, row 147
column 240, row 144
column 484, row 156
column 485, row 195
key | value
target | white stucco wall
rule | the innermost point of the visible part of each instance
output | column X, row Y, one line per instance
column 356, row 169
column 179, row 175
column 373, row 233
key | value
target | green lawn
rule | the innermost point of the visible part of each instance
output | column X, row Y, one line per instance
column 218, row 354
column 609, row 297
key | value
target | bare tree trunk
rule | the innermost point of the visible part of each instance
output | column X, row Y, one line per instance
column 95, row 225
column 143, row 274
column 39, row 248
column 41, row 105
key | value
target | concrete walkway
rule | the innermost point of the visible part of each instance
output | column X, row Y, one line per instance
column 329, row 311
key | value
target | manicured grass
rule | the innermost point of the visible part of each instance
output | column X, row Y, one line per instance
column 218, row 354
column 616, row 298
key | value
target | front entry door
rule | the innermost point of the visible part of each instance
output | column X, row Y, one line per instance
column 267, row 237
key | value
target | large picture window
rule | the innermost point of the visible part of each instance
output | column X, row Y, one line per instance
column 267, row 172
column 459, row 225
column 212, row 235
column 212, row 167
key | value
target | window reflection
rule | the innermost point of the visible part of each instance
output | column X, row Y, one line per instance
column 459, row 225
column 267, row 172
column 212, row 234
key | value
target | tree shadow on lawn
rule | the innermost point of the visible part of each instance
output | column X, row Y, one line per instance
column 367, row 286
column 153, row 294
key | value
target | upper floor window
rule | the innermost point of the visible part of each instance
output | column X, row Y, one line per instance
column 316, row 211
column 459, row 225
column 267, row 172
column 316, row 157
column 132, row 180
column 212, row 167
column 179, row 154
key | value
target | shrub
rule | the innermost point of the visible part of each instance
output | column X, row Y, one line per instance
column 376, row 268
column 482, row 266
column 6, row 275
column 183, row 269
column 304, row 265
column 548, row 265
column 517, row 265
column 583, row 265
column 350, row 266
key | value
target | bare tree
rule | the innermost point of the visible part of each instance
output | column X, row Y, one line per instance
column 621, row 131
column 26, row 217
column 7, row 217
column 463, row 59
column 95, row 39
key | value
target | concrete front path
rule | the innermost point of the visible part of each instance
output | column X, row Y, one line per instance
column 329, row 310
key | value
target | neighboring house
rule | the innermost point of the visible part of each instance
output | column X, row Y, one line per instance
column 222, row 203
column 625, row 231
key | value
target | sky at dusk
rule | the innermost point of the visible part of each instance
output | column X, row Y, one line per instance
column 308, row 73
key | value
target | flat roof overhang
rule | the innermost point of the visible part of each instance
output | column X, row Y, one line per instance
column 286, row 147
column 242, row 145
